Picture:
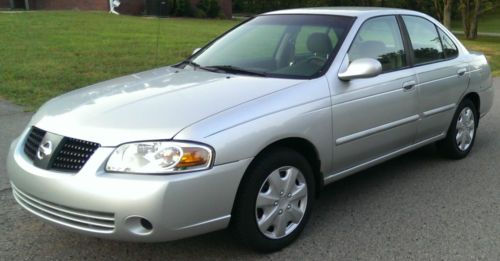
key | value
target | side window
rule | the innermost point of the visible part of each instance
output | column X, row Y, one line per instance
column 380, row 38
column 449, row 47
column 424, row 39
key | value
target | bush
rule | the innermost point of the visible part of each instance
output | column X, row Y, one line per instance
column 214, row 9
column 198, row 13
column 182, row 8
column 210, row 7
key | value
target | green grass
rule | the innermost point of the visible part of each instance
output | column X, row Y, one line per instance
column 44, row 54
column 488, row 23
column 488, row 45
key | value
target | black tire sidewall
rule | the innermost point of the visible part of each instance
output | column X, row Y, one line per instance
column 451, row 144
column 244, row 222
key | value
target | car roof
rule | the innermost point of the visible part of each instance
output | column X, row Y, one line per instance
column 347, row 11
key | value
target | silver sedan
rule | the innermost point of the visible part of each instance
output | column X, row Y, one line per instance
column 246, row 131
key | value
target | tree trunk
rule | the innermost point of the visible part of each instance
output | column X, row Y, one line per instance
column 465, row 10
column 472, row 35
column 438, row 9
column 447, row 13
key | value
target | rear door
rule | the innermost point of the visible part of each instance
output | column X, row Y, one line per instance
column 442, row 76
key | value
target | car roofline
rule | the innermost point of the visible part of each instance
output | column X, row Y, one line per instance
column 346, row 11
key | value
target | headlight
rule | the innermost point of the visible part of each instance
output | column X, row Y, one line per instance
column 159, row 157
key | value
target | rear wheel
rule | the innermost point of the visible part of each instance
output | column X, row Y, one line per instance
column 274, row 201
column 462, row 132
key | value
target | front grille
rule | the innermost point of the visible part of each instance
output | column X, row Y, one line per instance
column 73, row 154
column 94, row 221
column 70, row 155
column 33, row 141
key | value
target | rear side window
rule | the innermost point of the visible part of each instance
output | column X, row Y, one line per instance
column 425, row 40
column 449, row 47
column 380, row 38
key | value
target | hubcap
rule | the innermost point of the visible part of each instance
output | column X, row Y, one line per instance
column 465, row 129
column 281, row 202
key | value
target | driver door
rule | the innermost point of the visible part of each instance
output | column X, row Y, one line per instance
column 376, row 116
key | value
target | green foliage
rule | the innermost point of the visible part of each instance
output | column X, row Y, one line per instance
column 260, row 6
column 210, row 7
column 182, row 8
column 198, row 13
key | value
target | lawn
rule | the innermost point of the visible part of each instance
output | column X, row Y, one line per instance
column 44, row 54
column 488, row 45
column 488, row 23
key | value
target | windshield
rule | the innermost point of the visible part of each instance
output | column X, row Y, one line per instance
column 290, row 46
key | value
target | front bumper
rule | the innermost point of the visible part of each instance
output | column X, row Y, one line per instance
column 114, row 206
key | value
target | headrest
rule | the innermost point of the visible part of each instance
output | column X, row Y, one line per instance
column 319, row 43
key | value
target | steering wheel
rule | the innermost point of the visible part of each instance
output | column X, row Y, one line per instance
column 320, row 59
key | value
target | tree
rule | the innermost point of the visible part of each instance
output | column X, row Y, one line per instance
column 471, row 10
column 443, row 9
column 447, row 4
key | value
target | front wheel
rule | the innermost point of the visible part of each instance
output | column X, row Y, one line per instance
column 274, row 201
column 462, row 132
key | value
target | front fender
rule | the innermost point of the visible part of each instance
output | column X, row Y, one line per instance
column 301, row 111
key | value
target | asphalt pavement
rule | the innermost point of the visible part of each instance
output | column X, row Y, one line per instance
column 416, row 207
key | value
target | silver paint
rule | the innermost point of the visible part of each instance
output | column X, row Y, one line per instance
column 281, row 202
column 466, row 127
column 352, row 125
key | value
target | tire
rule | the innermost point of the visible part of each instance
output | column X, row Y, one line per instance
column 461, row 133
column 265, row 182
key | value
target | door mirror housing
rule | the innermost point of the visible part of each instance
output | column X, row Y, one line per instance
column 195, row 51
column 361, row 68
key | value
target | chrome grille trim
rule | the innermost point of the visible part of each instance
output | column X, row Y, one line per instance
column 33, row 141
column 93, row 221
column 69, row 155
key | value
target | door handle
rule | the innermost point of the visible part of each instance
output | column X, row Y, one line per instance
column 408, row 86
column 461, row 72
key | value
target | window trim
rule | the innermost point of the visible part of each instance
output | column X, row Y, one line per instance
column 443, row 33
column 408, row 64
column 437, row 28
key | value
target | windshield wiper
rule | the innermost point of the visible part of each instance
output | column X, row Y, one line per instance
column 236, row 70
column 197, row 66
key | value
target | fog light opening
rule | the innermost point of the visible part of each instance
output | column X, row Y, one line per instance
column 146, row 224
column 139, row 225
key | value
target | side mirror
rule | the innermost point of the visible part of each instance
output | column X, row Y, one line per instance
column 361, row 68
column 196, row 50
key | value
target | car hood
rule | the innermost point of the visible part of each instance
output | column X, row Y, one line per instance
column 151, row 105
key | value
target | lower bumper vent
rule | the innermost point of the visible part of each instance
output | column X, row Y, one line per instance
column 92, row 221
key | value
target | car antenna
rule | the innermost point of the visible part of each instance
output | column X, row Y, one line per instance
column 157, row 41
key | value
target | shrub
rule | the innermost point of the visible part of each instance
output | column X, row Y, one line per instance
column 182, row 8
column 198, row 13
column 210, row 7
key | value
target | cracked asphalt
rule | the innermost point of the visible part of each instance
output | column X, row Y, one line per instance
column 416, row 207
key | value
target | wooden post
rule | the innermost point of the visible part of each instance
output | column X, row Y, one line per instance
column 27, row 4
